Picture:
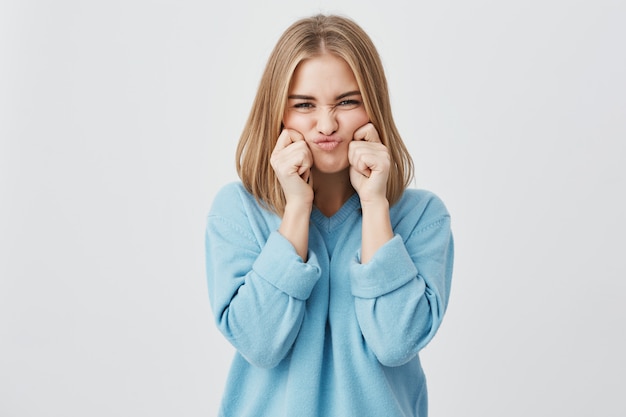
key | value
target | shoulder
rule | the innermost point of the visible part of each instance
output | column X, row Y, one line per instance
column 230, row 199
column 233, row 201
column 233, row 191
column 418, row 207
column 422, row 200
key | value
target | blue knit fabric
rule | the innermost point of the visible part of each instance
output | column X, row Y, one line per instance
column 329, row 337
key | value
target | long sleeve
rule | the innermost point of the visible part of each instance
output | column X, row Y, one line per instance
column 258, row 286
column 401, row 295
column 329, row 336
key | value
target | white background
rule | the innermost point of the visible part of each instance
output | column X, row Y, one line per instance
column 118, row 123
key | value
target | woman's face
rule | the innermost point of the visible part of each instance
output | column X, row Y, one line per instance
column 325, row 105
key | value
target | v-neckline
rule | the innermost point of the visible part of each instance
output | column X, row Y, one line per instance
column 328, row 224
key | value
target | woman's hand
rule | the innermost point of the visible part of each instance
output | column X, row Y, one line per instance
column 292, row 161
column 369, row 165
column 369, row 169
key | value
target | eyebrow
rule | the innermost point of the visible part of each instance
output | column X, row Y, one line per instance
column 339, row 97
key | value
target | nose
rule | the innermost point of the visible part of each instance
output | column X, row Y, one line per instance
column 327, row 122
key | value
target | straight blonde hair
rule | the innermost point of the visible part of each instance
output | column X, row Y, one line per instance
column 304, row 39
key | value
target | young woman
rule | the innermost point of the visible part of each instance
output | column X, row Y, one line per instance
column 325, row 272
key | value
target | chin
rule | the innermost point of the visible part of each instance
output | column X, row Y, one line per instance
column 331, row 162
column 331, row 168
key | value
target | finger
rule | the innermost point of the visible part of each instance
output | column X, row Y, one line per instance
column 367, row 133
column 356, row 159
column 296, row 155
column 362, row 170
column 306, row 162
column 306, row 176
column 367, row 157
column 286, row 138
column 358, row 148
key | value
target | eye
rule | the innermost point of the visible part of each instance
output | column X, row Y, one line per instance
column 303, row 107
column 349, row 104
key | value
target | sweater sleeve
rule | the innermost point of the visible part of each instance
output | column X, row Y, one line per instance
column 402, row 293
column 257, row 289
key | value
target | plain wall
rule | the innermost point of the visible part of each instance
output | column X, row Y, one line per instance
column 118, row 124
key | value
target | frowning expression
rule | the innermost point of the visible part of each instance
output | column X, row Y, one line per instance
column 325, row 105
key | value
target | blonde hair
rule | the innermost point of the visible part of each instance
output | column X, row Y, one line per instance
column 304, row 39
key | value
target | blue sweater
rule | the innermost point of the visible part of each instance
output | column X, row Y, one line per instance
column 329, row 337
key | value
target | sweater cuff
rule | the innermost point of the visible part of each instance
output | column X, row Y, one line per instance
column 390, row 268
column 280, row 265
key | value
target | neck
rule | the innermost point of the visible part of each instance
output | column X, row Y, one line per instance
column 331, row 191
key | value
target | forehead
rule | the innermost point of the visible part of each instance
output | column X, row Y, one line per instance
column 326, row 73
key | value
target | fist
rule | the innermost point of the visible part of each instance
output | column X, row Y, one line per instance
column 370, row 163
column 292, row 160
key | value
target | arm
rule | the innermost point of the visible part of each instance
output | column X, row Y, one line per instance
column 400, row 283
column 258, row 285
column 402, row 293
column 369, row 170
column 292, row 160
column 295, row 227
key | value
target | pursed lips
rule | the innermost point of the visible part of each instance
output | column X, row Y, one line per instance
column 327, row 143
